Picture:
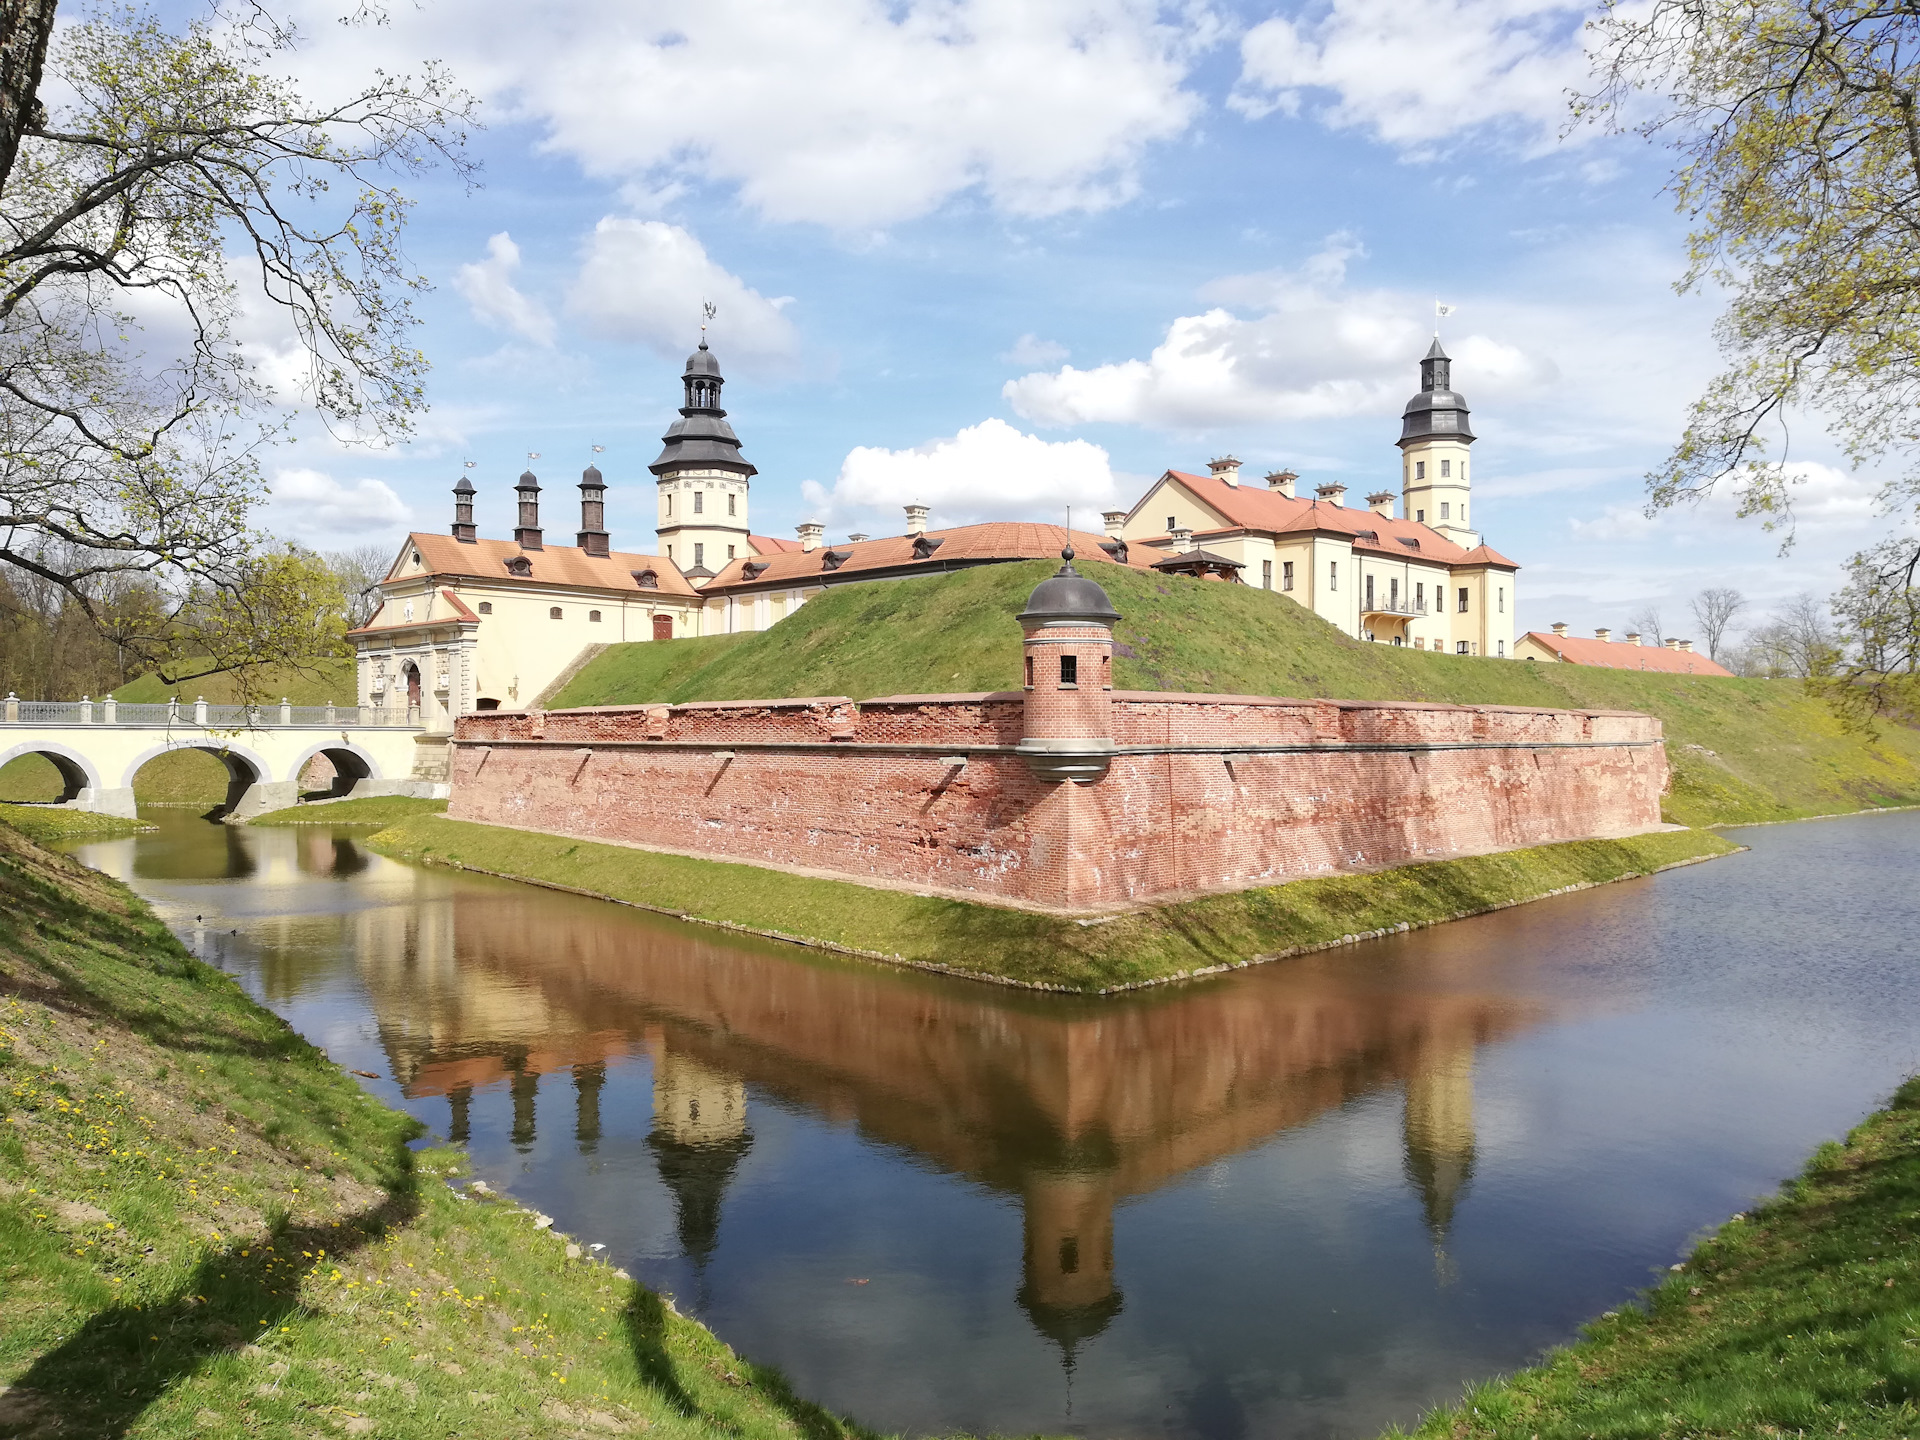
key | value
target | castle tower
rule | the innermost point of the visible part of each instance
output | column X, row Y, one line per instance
column 1067, row 1262
column 463, row 527
column 699, row 1134
column 1068, row 658
column 702, row 479
column 1438, row 1130
column 1434, row 436
column 527, row 491
column 593, row 536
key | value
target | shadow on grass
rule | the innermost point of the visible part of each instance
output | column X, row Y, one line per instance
column 98, row 1382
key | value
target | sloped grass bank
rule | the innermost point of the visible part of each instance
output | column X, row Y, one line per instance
column 1741, row 750
column 1022, row 947
column 208, row 1230
column 366, row 810
column 1799, row 1318
column 44, row 822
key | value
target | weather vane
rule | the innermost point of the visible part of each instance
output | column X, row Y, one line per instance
column 707, row 311
column 1440, row 312
column 466, row 464
column 533, row 454
column 599, row 449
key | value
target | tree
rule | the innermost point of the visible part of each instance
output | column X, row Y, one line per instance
column 359, row 570
column 1879, row 613
column 123, row 455
column 25, row 27
column 1798, row 643
column 1797, row 125
column 1645, row 622
column 1713, row 611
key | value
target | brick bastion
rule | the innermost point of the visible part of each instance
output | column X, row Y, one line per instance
column 1065, row 794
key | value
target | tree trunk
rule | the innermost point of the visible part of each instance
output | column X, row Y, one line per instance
column 24, row 28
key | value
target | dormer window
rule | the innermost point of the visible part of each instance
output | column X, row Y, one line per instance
column 1372, row 537
column 925, row 545
column 646, row 579
column 754, row 569
column 1410, row 544
column 521, row 566
column 1116, row 550
column 834, row 559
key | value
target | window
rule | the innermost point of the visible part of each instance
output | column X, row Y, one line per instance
column 730, row 500
column 1503, row 599
column 1446, row 510
column 1069, row 670
column 1419, row 469
column 1393, row 593
column 729, row 552
column 1029, row 672
column 1463, row 512
column 669, row 503
column 699, row 502
column 1446, row 469
column 1106, row 671
column 1266, row 574
column 1420, row 598
column 1500, row 648
column 1286, row 574
column 669, row 550
column 486, row 607
column 1421, row 516
column 1460, row 648
column 1463, row 599
column 1369, row 589
column 1172, row 524
column 700, row 557
column 1333, row 575
column 416, row 557
column 554, row 613
column 593, row 617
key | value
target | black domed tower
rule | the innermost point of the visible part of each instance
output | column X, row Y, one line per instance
column 702, row 478
column 1434, row 437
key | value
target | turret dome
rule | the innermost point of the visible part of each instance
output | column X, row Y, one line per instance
column 702, row 362
column 1068, row 598
column 1438, row 412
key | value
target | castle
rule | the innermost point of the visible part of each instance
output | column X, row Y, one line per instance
column 469, row 624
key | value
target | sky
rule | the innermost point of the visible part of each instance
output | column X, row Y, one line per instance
column 1006, row 256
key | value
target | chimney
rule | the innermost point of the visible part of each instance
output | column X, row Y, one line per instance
column 1226, row 468
column 527, row 532
column 1381, row 503
column 1182, row 539
column 593, row 512
column 1333, row 492
column 811, row 533
column 1673, row 644
column 463, row 530
column 1560, row 629
column 1605, row 637
column 1281, row 481
column 1686, row 647
column 857, row 537
column 1633, row 637
column 916, row 519
column 1116, row 521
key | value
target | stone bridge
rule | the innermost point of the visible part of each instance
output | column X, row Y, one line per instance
column 99, row 745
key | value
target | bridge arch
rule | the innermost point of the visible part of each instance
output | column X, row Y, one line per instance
column 77, row 773
column 351, row 763
column 244, row 766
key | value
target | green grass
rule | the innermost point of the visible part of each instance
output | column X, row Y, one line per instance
column 1800, row 1318
column 367, row 810
column 207, row 1230
column 180, row 777
column 50, row 824
column 1741, row 750
column 988, row 941
column 324, row 681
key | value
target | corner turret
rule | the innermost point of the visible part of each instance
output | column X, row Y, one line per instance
column 703, row 481
column 1068, row 657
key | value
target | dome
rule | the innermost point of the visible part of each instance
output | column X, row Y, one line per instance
column 591, row 477
column 701, row 362
column 527, row 481
column 1068, row 598
column 1438, row 411
column 465, row 487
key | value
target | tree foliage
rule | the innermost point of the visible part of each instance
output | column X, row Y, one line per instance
column 180, row 225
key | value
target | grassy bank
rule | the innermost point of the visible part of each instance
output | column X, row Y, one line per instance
column 208, row 1230
column 1800, row 1318
column 367, row 810
column 44, row 823
column 1742, row 750
column 988, row 942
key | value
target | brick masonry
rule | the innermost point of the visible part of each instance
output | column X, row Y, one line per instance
column 1202, row 793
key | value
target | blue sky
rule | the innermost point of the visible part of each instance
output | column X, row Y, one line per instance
column 1003, row 256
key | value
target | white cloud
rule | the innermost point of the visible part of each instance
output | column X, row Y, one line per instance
column 989, row 471
column 1830, row 505
column 1416, row 73
column 853, row 114
column 487, row 286
column 317, row 510
column 643, row 281
column 1316, row 348
column 1030, row 349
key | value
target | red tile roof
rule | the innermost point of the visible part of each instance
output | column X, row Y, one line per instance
column 1615, row 656
column 768, row 545
column 966, row 544
column 1251, row 508
column 556, row 564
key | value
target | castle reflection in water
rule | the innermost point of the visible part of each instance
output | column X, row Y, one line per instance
column 1070, row 1105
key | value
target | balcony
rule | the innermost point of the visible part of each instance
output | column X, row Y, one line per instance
column 1399, row 608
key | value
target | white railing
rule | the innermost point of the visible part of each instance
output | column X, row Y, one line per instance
column 200, row 715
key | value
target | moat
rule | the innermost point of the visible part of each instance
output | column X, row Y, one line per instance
column 1307, row 1199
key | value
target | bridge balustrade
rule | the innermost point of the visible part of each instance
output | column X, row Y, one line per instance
column 205, row 716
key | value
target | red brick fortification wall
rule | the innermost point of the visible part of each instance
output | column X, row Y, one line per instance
column 1204, row 792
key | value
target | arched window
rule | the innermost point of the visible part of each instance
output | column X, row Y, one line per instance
column 593, row 617
column 554, row 613
column 486, row 607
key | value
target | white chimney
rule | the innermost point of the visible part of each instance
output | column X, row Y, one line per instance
column 916, row 519
column 1116, row 521
column 1281, row 481
column 1182, row 539
column 857, row 536
column 811, row 533
column 1673, row 644
column 1633, row 637
column 1560, row 628
column 1603, row 636
column 1686, row 647
column 1381, row 503
column 1226, row 468
column 1334, row 493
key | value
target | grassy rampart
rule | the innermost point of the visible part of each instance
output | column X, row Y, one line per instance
column 367, row 810
column 208, row 1230
column 990, row 942
column 47, row 823
column 1799, row 1318
column 1741, row 750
